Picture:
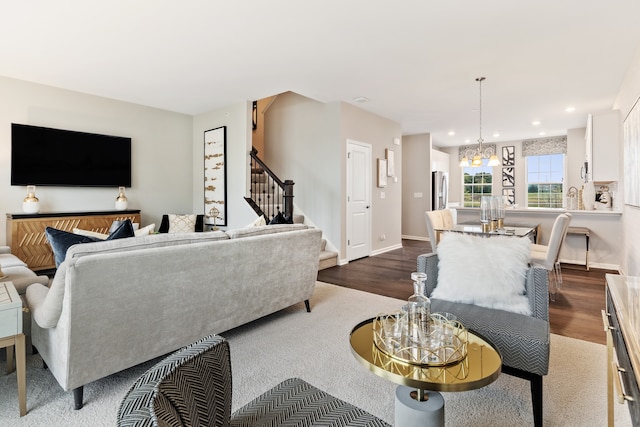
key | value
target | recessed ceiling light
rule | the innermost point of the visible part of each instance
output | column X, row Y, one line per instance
column 451, row 133
column 570, row 109
column 496, row 134
column 361, row 99
column 466, row 141
column 543, row 133
column 535, row 122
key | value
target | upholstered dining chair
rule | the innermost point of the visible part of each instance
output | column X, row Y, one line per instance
column 438, row 219
column 546, row 256
column 192, row 387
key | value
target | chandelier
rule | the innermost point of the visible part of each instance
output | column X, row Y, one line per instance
column 479, row 152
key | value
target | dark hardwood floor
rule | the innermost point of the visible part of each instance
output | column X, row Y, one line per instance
column 575, row 313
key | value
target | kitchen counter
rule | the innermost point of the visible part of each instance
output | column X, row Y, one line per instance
column 604, row 230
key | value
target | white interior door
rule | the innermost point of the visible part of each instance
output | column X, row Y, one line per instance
column 358, row 200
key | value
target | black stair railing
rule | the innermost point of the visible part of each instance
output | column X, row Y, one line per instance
column 269, row 194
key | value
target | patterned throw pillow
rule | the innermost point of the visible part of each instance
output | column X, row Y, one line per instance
column 182, row 223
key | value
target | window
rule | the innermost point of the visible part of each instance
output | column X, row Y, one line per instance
column 477, row 183
column 545, row 175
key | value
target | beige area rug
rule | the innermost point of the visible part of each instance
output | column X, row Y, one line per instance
column 314, row 346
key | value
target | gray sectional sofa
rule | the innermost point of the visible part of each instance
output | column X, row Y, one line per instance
column 115, row 304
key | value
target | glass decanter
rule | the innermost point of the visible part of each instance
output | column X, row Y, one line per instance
column 418, row 310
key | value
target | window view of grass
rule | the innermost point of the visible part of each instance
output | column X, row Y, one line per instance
column 477, row 183
column 544, row 181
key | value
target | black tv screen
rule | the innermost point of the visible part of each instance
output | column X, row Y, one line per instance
column 56, row 157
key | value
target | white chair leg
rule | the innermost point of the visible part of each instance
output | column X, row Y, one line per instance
column 558, row 272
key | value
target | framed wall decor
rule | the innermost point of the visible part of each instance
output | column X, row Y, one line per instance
column 509, row 156
column 631, row 171
column 391, row 164
column 511, row 195
column 382, row 172
column 508, row 177
column 215, row 175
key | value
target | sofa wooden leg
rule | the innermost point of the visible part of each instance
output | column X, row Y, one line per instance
column 77, row 397
column 306, row 304
column 536, row 398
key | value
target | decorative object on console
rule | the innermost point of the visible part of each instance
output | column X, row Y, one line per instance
column 214, row 213
column 61, row 240
column 31, row 204
column 215, row 172
column 479, row 152
column 121, row 201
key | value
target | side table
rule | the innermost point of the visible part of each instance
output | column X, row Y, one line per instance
column 11, row 336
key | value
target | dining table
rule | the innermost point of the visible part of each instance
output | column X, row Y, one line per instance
column 476, row 228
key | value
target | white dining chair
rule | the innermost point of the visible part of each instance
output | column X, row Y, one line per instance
column 438, row 219
column 546, row 256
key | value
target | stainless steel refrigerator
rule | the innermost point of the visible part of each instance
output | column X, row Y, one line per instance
column 439, row 190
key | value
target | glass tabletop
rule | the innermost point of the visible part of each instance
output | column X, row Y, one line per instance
column 481, row 367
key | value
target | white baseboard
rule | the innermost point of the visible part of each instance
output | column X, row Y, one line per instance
column 387, row 249
column 422, row 238
column 599, row 265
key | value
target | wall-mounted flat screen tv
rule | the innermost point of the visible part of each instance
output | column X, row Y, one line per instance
column 56, row 157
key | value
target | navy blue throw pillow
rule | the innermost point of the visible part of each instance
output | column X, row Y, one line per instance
column 281, row 218
column 61, row 240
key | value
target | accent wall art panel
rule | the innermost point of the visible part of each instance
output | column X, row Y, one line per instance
column 631, row 132
column 508, row 177
column 511, row 195
column 215, row 176
column 509, row 156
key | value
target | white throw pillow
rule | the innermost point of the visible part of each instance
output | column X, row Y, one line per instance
column 485, row 271
column 259, row 221
column 182, row 223
column 145, row 231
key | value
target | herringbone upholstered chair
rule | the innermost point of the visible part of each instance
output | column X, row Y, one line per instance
column 523, row 341
column 192, row 387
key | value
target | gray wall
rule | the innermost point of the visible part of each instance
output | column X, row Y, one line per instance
column 306, row 141
column 162, row 176
column 416, row 165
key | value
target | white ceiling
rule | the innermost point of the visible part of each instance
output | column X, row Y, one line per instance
column 416, row 61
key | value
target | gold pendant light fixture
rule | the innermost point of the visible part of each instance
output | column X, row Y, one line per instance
column 477, row 157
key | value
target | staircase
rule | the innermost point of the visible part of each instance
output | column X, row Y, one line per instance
column 270, row 196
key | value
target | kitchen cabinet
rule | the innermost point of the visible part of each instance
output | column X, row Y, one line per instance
column 602, row 139
column 439, row 161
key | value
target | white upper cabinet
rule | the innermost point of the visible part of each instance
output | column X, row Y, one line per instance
column 439, row 161
column 602, row 139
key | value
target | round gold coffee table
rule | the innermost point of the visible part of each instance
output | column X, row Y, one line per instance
column 418, row 401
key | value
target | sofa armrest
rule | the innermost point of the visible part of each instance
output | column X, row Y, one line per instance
column 45, row 303
column 537, row 288
column 5, row 250
column 428, row 263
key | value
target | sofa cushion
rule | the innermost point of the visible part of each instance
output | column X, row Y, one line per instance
column 265, row 229
column 144, row 242
column 10, row 260
column 489, row 272
column 61, row 240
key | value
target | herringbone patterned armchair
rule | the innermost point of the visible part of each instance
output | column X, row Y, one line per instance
column 192, row 387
